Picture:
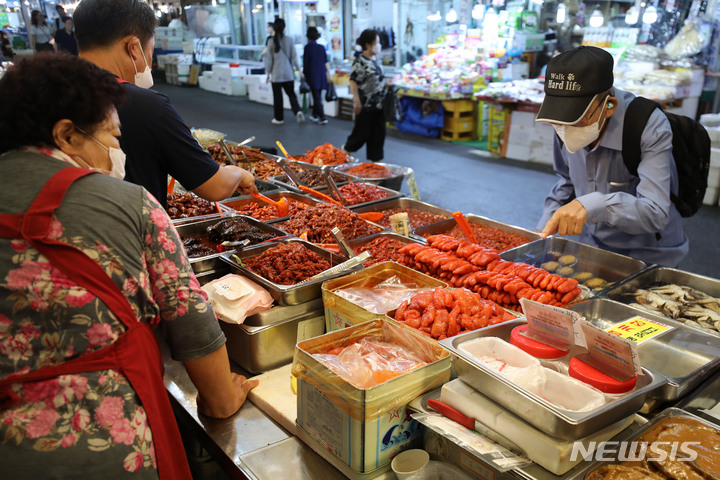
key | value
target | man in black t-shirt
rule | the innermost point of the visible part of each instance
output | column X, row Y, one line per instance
column 118, row 35
column 65, row 38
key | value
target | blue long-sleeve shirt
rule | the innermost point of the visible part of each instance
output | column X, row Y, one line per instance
column 314, row 60
column 627, row 214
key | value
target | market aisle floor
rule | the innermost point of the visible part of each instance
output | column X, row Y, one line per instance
column 449, row 175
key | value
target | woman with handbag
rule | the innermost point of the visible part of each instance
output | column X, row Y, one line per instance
column 316, row 72
column 282, row 63
column 367, row 85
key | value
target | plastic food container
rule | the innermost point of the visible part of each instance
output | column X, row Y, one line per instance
column 602, row 381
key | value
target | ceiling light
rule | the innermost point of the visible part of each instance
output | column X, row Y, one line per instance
column 561, row 14
column 597, row 19
column 632, row 15
column 650, row 15
column 451, row 16
column 434, row 17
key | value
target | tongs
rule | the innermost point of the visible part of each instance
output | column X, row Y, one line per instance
column 289, row 171
column 321, row 196
column 246, row 141
column 353, row 262
column 465, row 226
column 235, row 244
column 229, row 155
column 327, row 174
column 282, row 149
column 342, row 243
column 282, row 206
column 249, row 163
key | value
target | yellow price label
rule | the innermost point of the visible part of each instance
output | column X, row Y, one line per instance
column 639, row 329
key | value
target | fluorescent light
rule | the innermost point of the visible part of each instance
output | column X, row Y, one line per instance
column 435, row 17
column 597, row 19
column 650, row 15
column 561, row 13
column 451, row 16
column 477, row 11
column 632, row 15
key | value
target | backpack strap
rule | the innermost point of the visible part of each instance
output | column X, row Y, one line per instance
column 636, row 117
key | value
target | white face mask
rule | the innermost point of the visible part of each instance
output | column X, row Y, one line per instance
column 377, row 48
column 117, row 160
column 576, row 138
column 143, row 79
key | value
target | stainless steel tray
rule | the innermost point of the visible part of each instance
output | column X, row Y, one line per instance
column 684, row 355
column 403, row 203
column 261, row 348
column 705, row 400
column 665, row 414
column 287, row 294
column 664, row 275
column 391, row 195
column 309, row 166
column 393, row 182
column 612, row 267
column 236, row 202
column 210, row 262
column 442, row 227
column 226, row 212
column 281, row 313
column 533, row 409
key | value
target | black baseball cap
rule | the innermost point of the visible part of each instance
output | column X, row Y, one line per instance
column 572, row 81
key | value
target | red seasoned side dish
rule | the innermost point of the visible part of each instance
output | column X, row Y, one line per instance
column 287, row 264
column 315, row 224
column 382, row 249
column 489, row 237
column 265, row 212
column 185, row 205
column 417, row 218
column 369, row 170
column 355, row 193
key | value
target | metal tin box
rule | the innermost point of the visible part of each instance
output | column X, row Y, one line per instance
column 286, row 294
column 609, row 266
column 404, row 203
column 210, row 262
column 447, row 225
column 364, row 428
column 341, row 313
column 267, row 340
column 238, row 202
column 664, row 276
column 536, row 411
column 684, row 355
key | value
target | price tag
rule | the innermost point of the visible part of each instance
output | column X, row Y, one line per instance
column 412, row 184
column 639, row 329
column 553, row 326
column 616, row 356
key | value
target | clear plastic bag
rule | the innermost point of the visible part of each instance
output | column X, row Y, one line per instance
column 690, row 41
column 383, row 297
column 439, row 471
column 371, row 361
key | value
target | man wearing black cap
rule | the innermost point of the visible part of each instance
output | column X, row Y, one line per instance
column 596, row 196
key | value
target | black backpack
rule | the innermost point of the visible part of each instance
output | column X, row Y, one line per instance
column 691, row 151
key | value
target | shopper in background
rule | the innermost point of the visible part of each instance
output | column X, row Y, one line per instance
column 40, row 33
column 90, row 265
column 65, row 38
column 596, row 196
column 60, row 10
column 367, row 86
column 270, row 34
column 119, row 36
column 6, row 51
column 282, row 63
column 316, row 71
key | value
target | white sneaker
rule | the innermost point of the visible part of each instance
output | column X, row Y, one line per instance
column 300, row 117
column 323, row 121
column 277, row 122
column 315, row 119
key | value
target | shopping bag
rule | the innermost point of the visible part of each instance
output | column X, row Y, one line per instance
column 305, row 106
column 330, row 95
column 391, row 106
column 304, row 87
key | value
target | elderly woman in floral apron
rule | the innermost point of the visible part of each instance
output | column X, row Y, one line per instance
column 89, row 265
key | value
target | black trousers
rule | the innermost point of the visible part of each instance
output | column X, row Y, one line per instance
column 277, row 88
column 44, row 47
column 318, row 110
column 369, row 129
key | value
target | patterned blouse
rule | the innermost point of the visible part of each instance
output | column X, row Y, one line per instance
column 368, row 75
column 91, row 425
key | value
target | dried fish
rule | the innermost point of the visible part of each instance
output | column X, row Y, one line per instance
column 681, row 303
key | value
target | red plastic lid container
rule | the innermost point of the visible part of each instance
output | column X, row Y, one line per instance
column 602, row 381
column 533, row 347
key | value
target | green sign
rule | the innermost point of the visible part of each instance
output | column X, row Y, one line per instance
column 4, row 20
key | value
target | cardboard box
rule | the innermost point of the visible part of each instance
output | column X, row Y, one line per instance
column 711, row 196
column 364, row 428
column 529, row 140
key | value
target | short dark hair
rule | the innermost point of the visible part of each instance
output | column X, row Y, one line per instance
column 100, row 23
column 46, row 88
column 312, row 33
column 66, row 18
column 367, row 36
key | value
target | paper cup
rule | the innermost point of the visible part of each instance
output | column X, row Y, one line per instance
column 409, row 462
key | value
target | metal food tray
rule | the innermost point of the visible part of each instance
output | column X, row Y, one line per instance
column 309, row 166
column 393, row 182
column 210, row 262
column 241, row 201
column 610, row 266
column 392, row 195
column 360, row 241
column 536, row 411
column 665, row 275
column 635, row 435
column 287, row 294
column 446, row 225
column 685, row 356
column 403, row 203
